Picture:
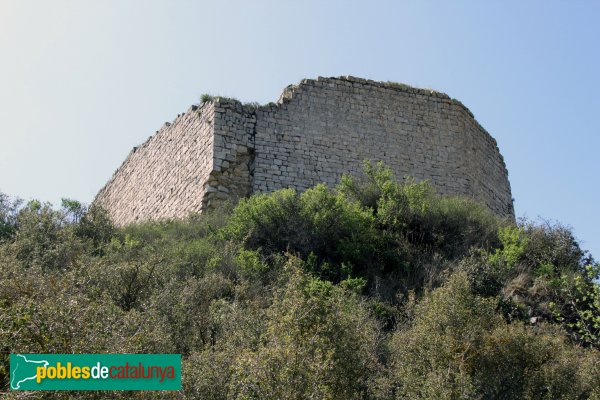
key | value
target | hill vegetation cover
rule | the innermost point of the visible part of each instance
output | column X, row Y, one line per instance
column 376, row 289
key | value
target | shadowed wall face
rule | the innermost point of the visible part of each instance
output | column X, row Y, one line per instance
column 317, row 131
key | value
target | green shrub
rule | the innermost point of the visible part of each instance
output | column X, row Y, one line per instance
column 185, row 309
column 45, row 239
column 578, row 305
column 53, row 312
column 420, row 233
column 320, row 342
column 540, row 272
column 8, row 216
column 95, row 226
column 553, row 245
column 319, row 223
column 209, row 372
column 458, row 346
column 516, row 361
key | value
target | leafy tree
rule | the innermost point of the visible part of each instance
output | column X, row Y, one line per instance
column 73, row 210
column 95, row 225
column 8, row 216
column 44, row 239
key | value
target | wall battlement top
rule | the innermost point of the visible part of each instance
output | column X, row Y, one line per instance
column 288, row 94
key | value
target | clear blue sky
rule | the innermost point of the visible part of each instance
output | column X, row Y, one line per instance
column 82, row 82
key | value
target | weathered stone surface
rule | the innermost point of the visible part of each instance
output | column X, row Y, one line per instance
column 316, row 131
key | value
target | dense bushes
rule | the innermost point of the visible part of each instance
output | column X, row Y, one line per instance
column 336, row 235
column 458, row 346
column 319, row 342
column 375, row 289
column 398, row 236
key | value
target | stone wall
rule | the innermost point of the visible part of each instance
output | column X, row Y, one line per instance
column 316, row 131
column 233, row 162
column 166, row 176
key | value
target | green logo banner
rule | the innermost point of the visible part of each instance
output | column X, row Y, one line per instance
column 95, row 371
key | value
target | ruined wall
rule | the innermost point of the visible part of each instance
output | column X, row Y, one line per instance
column 316, row 131
column 322, row 128
column 165, row 177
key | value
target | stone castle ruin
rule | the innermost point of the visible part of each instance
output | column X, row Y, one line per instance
column 317, row 130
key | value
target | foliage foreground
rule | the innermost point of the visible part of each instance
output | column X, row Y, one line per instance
column 373, row 290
